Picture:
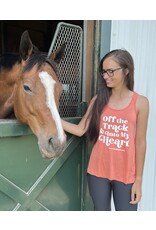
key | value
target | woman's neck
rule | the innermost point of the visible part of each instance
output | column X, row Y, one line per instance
column 120, row 99
column 119, row 93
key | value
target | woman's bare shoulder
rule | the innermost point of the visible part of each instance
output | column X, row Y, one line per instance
column 142, row 102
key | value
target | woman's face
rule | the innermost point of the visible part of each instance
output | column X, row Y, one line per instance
column 112, row 73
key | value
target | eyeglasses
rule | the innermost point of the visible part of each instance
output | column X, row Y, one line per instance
column 110, row 72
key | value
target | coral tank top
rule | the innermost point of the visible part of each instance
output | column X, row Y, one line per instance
column 113, row 155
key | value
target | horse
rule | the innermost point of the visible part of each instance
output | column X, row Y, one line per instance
column 30, row 92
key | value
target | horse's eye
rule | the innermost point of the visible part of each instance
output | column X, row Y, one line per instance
column 27, row 88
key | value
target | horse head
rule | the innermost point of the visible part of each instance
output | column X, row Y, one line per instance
column 36, row 97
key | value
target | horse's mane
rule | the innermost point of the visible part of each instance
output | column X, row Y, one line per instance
column 8, row 60
column 39, row 58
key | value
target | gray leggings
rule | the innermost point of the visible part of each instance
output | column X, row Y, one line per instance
column 100, row 190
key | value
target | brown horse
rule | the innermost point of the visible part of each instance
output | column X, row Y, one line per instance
column 30, row 89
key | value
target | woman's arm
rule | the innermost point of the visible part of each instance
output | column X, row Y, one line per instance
column 142, row 119
column 81, row 128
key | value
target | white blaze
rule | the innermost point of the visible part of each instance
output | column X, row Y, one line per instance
column 49, row 85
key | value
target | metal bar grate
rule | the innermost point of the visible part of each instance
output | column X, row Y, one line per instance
column 70, row 67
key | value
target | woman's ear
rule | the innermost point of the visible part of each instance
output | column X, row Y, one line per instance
column 126, row 71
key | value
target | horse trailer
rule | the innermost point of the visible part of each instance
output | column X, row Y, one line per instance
column 29, row 182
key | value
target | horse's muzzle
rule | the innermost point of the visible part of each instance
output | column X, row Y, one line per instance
column 52, row 147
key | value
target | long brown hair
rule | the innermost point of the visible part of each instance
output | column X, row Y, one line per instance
column 125, row 61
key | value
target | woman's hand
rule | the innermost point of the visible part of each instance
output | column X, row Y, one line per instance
column 81, row 128
column 136, row 192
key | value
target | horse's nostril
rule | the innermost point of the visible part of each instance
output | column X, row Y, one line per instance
column 51, row 141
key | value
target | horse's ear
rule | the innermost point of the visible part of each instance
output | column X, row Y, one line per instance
column 58, row 54
column 26, row 46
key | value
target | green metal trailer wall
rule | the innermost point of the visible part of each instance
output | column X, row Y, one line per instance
column 28, row 182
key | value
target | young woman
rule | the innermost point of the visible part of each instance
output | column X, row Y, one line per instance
column 116, row 123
